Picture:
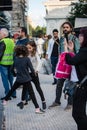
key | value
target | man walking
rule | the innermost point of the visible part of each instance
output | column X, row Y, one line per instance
column 67, row 36
column 52, row 51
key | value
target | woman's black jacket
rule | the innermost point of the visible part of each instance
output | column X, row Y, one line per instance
column 80, row 62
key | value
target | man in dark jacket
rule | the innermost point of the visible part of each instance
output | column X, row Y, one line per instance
column 23, row 40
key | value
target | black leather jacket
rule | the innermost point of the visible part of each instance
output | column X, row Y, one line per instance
column 80, row 62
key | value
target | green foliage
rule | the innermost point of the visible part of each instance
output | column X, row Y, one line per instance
column 78, row 10
column 38, row 30
column 30, row 30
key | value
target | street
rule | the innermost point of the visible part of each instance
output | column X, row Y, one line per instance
column 25, row 119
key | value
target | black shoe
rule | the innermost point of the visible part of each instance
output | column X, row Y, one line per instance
column 14, row 97
column 44, row 105
column 53, row 83
column 26, row 103
column 21, row 105
column 6, row 99
column 54, row 104
column 2, row 98
column 9, row 98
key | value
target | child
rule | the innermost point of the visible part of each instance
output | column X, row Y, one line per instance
column 21, row 66
column 35, row 60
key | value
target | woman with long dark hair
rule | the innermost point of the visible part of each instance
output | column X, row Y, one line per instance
column 80, row 96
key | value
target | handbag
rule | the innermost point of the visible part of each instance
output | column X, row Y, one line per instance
column 70, row 87
column 45, row 67
column 48, row 66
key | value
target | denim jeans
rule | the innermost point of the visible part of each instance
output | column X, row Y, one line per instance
column 54, row 61
column 59, row 87
column 7, row 78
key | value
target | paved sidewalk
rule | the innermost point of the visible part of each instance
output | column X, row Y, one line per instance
column 26, row 119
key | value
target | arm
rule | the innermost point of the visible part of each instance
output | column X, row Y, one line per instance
column 30, row 66
column 79, row 58
column 2, row 49
column 38, row 63
column 13, row 70
column 76, row 44
column 48, row 49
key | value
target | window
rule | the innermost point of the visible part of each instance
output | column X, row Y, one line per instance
column 5, row 5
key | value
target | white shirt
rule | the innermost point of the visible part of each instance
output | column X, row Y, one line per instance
column 40, row 43
column 50, row 47
column 36, row 62
column 73, row 77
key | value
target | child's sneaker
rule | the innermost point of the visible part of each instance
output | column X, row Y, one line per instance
column 44, row 105
column 39, row 111
column 21, row 105
column 4, row 102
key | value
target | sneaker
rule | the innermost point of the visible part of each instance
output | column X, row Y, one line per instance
column 6, row 99
column 68, row 107
column 14, row 97
column 21, row 106
column 39, row 111
column 53, row 83
column 26, row 103
column 54, row 104
column 4, row 102
column 2, row 98
column 44, row 105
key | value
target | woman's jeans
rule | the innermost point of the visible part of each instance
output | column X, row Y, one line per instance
column 79, row 108
column 54, row 61
column 7, row 78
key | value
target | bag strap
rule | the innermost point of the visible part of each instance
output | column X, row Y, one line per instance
column 84, row 79
column 56, row 42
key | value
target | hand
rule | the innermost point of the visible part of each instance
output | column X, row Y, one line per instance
column 46, row 57
column 36, row 73
column 65, row 45
column 70, row 45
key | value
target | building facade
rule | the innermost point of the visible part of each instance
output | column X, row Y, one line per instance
column 56, row 13
column 18, row 14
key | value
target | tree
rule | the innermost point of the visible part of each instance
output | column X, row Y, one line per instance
column 38, row 30
column 78, row 10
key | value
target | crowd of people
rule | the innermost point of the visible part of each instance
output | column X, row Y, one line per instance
column 20, row 57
